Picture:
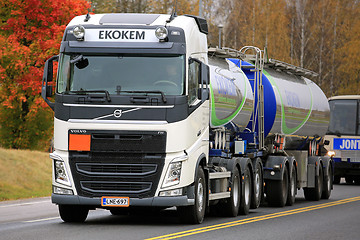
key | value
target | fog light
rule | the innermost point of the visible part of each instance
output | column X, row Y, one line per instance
column 79, row 32
column 62, row 191
column 171, row 193
column 161, row 33
column 272, row 173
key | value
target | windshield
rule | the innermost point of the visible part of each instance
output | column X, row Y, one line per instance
column 120, row 73
column 344, row 119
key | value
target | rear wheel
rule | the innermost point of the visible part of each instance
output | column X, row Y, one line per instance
column 315, row 193
column 292, row 188
column 73, row 213
column 246, row 193
column 327, row 183
column 258, row 187
column 277, row 190
column 195, row 214
column 231, row 207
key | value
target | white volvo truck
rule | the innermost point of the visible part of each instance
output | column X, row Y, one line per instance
column 147, row 116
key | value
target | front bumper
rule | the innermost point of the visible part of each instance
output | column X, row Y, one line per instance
column 96, row 202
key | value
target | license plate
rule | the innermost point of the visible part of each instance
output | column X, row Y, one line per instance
column 115, row 201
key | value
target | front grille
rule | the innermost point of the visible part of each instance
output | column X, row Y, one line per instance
column 115, row 187
column 126, row 165
column 107, row 169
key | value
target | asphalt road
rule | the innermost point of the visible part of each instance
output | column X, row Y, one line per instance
column 336, row 218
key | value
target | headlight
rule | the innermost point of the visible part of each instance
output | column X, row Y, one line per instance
column 172, row 175
column 61, row 175
column 79, row 32
column 173, row 172
column 331, row 153
column 161, row 33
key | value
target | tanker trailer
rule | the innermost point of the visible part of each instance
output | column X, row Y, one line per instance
column 292, row 116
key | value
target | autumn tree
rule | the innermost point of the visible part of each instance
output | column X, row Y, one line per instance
column 30, row 32
column 348, row 50
column 120, row 6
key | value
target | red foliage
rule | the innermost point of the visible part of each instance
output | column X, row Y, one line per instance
column 34, row 31
column 30, row 32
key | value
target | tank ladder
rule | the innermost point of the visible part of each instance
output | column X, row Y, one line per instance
column 258, row 59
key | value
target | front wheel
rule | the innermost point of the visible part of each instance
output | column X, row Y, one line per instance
column 73, row 213
column 195, row 214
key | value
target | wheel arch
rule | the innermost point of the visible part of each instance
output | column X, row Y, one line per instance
column 271, row 164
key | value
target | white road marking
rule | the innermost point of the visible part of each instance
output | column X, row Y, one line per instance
column 24, row 204
column 41, row 220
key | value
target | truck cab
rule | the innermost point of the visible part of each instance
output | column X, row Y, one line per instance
column 131, row 110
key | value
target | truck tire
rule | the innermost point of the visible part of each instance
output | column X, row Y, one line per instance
column 277, row 190
column 246, row 193
column 314, row 194
column 327, row 184
column 231, row 207
column 195, row 214
column 258, row 187
column 73, row 213
column 292, row 188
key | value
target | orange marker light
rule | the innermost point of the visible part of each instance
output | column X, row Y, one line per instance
column 79, row 142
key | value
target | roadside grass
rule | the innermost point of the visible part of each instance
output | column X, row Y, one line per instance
column 24, row 174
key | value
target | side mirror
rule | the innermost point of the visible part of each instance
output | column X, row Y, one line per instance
column 46, row 90
column 204, row 79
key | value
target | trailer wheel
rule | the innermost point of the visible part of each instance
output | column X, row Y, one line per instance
column 292, row 188
column 277, row 190
column 231, row 207
column 314, row 194
column 258, row 187
column 195, row 214
column 73, row 213
column 327, row 184
column 246, row 193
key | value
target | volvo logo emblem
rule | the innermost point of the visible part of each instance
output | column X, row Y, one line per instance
column 117, row 113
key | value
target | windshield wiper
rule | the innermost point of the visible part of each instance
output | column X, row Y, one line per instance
column 155, row 92
column 107, row 95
